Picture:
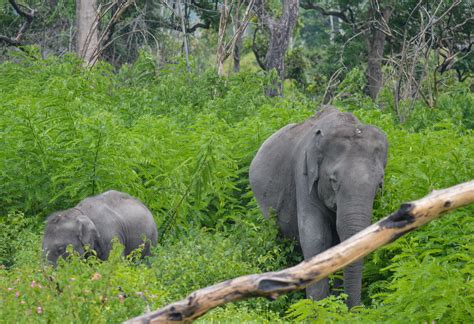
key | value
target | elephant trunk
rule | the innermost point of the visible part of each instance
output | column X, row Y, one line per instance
column 354, row 213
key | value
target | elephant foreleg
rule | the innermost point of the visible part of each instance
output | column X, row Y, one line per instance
column 316, row 236
column 353, row 283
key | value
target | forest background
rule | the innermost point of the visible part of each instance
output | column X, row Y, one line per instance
column 170, row 100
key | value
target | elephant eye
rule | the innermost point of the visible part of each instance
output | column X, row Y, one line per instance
column 333, row 182
column 61, row 249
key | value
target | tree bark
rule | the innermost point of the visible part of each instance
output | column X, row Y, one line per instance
column 238, row 40
column 375, row 48
column 272, row 284
column 221, row 52
column 280, row 30
column 87, row 41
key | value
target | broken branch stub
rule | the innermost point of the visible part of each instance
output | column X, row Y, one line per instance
column 273, row 284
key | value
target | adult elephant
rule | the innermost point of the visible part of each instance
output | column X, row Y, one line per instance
column 97, row 220
column 321, row 177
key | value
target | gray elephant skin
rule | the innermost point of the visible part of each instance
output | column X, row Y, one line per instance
column 95, row 221
column 320, row 177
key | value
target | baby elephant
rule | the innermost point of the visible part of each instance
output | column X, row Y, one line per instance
column 95, row 221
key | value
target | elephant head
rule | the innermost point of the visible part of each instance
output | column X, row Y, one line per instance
column 345, row 163
column 69, row 227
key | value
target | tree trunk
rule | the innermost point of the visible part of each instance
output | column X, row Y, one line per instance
column 232, row 46
column 238, row 42
column 87, row 41
column 109, row 53
column 281, row 30
column 221, row 52
column 375, row 47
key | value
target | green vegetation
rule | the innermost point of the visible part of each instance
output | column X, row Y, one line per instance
column 182, row 143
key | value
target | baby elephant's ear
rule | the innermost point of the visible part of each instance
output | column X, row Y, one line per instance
column 87, row 231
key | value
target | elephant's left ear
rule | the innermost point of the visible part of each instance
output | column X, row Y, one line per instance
column 87, row 231
column 312, row 160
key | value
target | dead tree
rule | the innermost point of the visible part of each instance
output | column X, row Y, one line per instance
column 238, row 41
column 413, row 67
column 280, row 30
column 90, row 42
column 231, row 10
column 105, row 38
column 408, row 217
column 374, row 28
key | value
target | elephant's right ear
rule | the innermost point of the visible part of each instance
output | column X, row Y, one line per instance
column 312, row 160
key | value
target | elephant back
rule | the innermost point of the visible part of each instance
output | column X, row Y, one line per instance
column 117, row 214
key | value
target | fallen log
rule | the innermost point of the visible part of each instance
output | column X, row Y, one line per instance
column 273, row 284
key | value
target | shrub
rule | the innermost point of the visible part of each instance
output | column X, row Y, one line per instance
column 182, row 143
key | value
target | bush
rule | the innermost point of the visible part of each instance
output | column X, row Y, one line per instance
column 89, row 290
column 14, row 236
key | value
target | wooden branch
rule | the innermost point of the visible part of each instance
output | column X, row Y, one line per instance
column 224, row 49
column 262, row 14
column 340, row 14
column 28, row 15
column 204, row 8
column 260, row 60
column 243, row 25
column 221, row 53
column 104, row 40
column 109, row 29
column 193, row 28
column 272, row 284
column 189, row 30
column 9, row 41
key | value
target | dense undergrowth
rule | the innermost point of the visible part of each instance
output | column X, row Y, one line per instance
column 182, row 143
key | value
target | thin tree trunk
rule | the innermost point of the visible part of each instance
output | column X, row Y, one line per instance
column 87, row 38
column 185, row 36
column 225, row 49
column 238, row 41
column 236, row 53
column 108, row 53
column 221, row 52
column 281, row 30
column 375, row 48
